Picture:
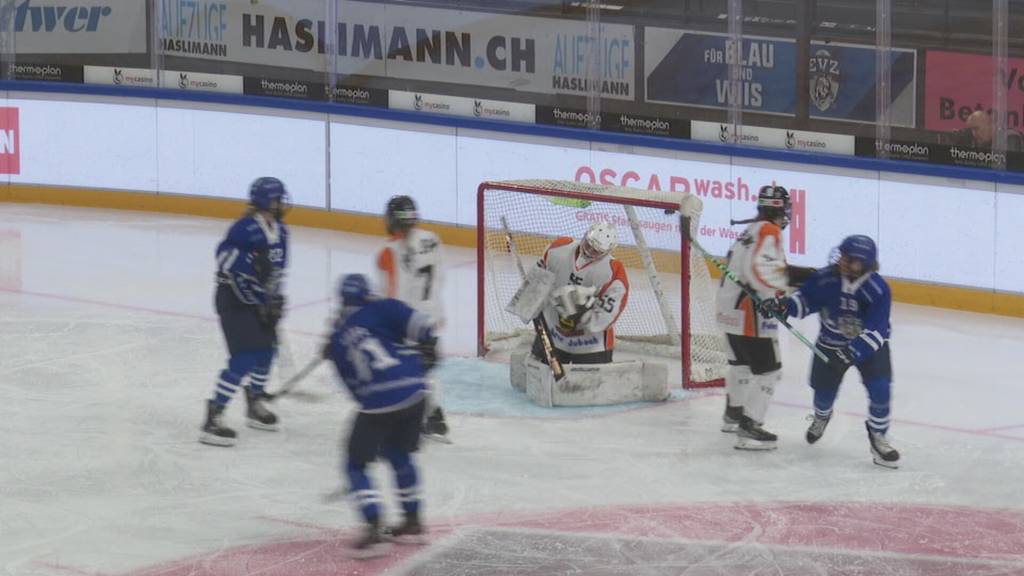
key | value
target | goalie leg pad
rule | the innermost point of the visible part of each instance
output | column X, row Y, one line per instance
column 762, row 388
column 737, row 382
column 597, row 384
column 517, row 370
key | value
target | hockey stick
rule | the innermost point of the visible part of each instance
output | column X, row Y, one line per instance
column 557, row 370
column 288, row 388
column 684, row 223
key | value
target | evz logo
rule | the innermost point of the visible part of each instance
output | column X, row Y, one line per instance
column 824, row 79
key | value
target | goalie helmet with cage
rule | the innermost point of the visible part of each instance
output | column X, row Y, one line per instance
column 401, row 214
column 599, row 240
column 773, row 205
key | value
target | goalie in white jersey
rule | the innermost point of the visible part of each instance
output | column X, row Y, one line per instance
column 592, row 290
column 409, row 269
column 758, row 259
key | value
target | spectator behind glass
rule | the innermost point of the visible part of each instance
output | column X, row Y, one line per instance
column 980, row 131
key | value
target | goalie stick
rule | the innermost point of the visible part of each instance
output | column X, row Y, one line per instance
column 684, row 223
column 538, row 325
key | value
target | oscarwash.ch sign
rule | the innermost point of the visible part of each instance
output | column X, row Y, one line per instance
column 550, row 56
column 75, row 26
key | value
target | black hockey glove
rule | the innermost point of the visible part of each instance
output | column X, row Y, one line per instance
column 428, row 352
column 838, row 359
column 272, row 310
column 773, row 307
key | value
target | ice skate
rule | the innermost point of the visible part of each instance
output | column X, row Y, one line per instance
column 750, row 436
column 371, row 544
column 817, row 428
column 214, row 432
column 408, row 532
column 882, row 452
column 436, row 428
column 731, row 418
column 257, row 416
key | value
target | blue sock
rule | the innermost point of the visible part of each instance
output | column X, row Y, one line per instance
column 407, row 480
column 258, row 379
column 823, row 401
column 367, row 498
column 879, row 411
column 227, row 385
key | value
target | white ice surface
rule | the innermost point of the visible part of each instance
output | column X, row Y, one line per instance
column 109, row 346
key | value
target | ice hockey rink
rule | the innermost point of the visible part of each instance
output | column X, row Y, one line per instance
column 110, row 346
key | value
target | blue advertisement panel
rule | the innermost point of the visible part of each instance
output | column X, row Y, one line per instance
column 692, row 69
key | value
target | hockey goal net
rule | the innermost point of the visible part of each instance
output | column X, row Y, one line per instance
column 670, row 311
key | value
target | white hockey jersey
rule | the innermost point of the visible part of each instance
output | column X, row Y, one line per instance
column 758, row 259
column 596, row 329
column 409, row 269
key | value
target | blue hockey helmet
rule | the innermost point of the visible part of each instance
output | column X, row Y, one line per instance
column 354, row 290
column 265, row 190
column 862, row 249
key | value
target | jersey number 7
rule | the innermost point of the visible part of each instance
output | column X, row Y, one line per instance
column 427, row 272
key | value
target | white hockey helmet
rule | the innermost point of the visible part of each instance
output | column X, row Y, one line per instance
column 599, row 240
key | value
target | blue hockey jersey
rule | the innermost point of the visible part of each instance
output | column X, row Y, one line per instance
column 368, row 350
column 252, row 258
column 854, row 315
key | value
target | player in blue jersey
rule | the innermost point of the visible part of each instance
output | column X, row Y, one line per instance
column 388, row 380
column 250, row 271
column 853, row 303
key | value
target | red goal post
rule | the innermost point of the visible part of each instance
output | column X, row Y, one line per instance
column 670, row 313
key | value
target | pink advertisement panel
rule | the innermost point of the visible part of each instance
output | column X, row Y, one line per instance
column 957, row 84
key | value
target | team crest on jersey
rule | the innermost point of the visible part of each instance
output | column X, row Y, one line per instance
column 824, row 79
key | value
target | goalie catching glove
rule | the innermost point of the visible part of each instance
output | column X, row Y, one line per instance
column 573, row 304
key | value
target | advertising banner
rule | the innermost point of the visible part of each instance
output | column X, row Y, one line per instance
column 296, row 89
column 70, row 27
column 949, row 155
column 45, row 72
column 692, row 69
column 456, row 106
column 359, row 95
column 10, row 141
column 544, row 55
column 774, row 138
column 614, row 122
column 199, row 81
column 957, row 84
column 115, row 76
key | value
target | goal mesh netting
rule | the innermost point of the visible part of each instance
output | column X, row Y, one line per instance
column 670, row 311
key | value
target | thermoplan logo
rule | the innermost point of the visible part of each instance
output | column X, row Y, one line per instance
column 10, row 142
